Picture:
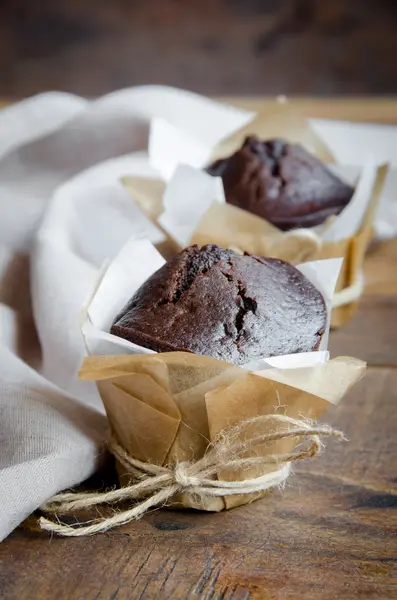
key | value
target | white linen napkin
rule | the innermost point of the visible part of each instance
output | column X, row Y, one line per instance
column 63, row 212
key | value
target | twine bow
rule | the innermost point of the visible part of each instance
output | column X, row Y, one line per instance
column 155, row 485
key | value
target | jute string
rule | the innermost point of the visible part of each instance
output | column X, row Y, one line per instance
column 156, row 485
column 349, row 294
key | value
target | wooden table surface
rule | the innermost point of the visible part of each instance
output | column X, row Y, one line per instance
column 331, row 534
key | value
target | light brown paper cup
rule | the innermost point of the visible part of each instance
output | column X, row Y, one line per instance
column 167, row 408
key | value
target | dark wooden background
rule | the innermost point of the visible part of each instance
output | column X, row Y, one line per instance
column 219, row 47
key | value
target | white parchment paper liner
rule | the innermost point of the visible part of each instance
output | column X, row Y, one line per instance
column 135, row 263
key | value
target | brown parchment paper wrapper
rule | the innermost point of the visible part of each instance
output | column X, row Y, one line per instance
column 244, row 232
column 166, row 408
column 234, row 228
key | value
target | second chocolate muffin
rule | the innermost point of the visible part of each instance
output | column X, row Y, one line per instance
column 217, row 303
column 281, row 182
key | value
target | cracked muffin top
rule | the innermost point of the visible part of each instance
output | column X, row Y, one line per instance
column 217, row 303
column 282, row 183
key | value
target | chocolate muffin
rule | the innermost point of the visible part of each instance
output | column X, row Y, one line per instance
column 281, row 182
column 217, row 303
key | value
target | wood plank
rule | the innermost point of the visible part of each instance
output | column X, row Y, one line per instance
column 353, row 108
column 372, row 333
column 328, row 535
column 381, row 269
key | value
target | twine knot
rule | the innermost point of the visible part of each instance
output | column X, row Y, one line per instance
column 243, row 448
column 182, row 477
